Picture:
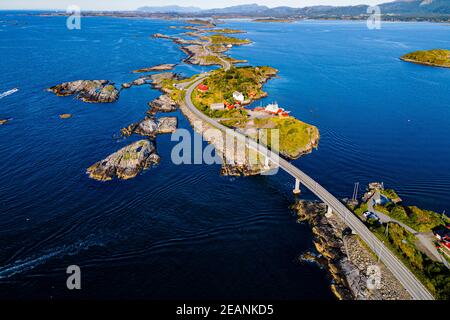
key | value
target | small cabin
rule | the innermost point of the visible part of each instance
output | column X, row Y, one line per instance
column 217, row 106
column 202, row 87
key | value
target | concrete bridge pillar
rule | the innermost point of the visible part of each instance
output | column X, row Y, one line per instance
column 329, row 212
column 266, row 162
column 297, row 187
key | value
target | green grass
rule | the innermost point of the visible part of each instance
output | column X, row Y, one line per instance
column 390, row 193
column 224, row 40
column 228, row 31
column 436, row 57
column 434, row 275
column 295, row 135
column 223, row 83
column 414, row 217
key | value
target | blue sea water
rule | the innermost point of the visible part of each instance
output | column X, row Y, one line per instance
column 184, row 231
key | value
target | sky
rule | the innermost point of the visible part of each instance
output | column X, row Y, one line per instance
column 133, row 4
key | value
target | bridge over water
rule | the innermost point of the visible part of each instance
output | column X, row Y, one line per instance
column 409, row 281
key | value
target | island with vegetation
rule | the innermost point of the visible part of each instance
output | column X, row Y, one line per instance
column 269, row 20
column 434, row 58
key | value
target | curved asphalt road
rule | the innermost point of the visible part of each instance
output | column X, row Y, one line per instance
column 415, row 288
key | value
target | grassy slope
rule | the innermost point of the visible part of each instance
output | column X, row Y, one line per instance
column 434, row 275
column 224, row 40
column 295, row 135
column 418, row 219
column 436, row 57
column 228, row 31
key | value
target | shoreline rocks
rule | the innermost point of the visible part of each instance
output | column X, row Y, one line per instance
column 91, row 91
column 163, row 103
column 138, row 82
column 126, row 163
column 158, row 78
column 345, row 257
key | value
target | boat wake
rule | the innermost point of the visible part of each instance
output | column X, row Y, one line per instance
column 8, row 93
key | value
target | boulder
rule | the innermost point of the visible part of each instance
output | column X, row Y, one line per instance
column 126, row 163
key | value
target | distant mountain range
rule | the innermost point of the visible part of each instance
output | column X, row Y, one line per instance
column 399, row 7
column 169, row 9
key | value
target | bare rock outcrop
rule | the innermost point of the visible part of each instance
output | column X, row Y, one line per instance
column 3, row 121
column 93, row 91
column 138, row 82
column 161, row 67
column 163, row 103
column 167, row 125
column 150, row 127
column 126, row 163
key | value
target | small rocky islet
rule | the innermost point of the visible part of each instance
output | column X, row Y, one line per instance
column 126, row 163
column 161, row 67
column 151, row 127
column 92, row 91
column 65, row 116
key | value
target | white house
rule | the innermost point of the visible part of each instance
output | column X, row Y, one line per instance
column 217, row 106
column 273, row 108
column 238, row 96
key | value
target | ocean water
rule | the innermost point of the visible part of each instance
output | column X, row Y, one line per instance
column 184, row 231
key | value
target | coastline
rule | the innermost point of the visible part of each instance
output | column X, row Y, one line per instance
column 428, row 64
column 345, row 257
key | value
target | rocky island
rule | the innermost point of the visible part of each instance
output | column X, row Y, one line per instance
column 126, row 163
column 161, row 67
column 65, row 116
column 93, row 91
column 163, row 103
column 151, row 127
column 433, row 58
column 3, row 121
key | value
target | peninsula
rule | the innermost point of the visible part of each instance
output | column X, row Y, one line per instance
column 433, row 58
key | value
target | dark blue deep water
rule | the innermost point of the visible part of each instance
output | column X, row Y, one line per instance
column 184, row 231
